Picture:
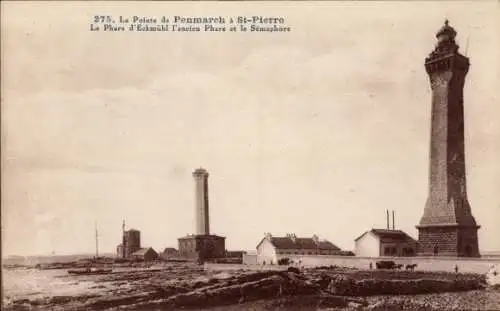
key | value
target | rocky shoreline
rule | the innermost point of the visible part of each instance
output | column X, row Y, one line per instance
column 189, row 287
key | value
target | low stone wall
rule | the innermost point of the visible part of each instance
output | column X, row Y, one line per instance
column 445, row 264
column 231, row 267
column 470, row 265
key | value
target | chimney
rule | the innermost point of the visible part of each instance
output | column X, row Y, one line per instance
column 315, row 239
column 387, row 212
column 393, row 226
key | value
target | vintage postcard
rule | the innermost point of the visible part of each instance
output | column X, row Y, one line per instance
column 263, row 155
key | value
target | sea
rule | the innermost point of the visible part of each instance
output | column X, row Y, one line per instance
column 32, row 283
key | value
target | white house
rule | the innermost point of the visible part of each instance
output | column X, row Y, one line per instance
column 271, row 248
column 385, row 242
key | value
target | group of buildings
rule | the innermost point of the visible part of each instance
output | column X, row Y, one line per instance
column 194, row 247
column 447, row 227
column 130, row 248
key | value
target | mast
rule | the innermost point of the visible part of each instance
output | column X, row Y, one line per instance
column 96, row 242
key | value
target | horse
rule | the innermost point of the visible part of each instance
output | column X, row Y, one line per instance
column 411, row 267
column 399, row 266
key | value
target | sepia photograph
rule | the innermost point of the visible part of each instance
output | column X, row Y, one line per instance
column 250, row 155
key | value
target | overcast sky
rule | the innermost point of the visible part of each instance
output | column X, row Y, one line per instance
column 316, row 131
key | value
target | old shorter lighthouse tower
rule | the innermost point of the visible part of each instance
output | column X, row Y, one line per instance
column 447, row 227
column 201, row 196
column 202, row 245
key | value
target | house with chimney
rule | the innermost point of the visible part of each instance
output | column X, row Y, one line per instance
column 385, row 243
column 271, row 248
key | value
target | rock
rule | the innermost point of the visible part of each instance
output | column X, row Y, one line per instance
column 293, row 269
column 493, row 276
column 320, row 288
column 376, row 306
column 355, row 305
column 331, row 302
column 341, row 285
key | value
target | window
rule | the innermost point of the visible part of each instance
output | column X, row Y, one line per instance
column 408, row 251
column 390, row 251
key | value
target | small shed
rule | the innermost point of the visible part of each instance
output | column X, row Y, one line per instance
column 145, row 254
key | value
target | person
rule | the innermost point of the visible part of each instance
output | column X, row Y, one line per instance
column 456, row 269
column 371, row 266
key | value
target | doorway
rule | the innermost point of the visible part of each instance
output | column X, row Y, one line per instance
column 468, row 251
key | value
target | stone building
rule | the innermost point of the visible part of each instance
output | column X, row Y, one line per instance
column 131, row 242
column 169, row 253
column 447, row 227
column 271, row 248
column 385, row 242
column 203, row 245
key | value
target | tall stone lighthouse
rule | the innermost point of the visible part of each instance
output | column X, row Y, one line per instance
column 447, row 227
column 201, row 196
column 202, row 245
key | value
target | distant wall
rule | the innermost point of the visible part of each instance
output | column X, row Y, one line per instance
column 473, row 265
column 476, row 265
column 231, row 267
column 250, row 259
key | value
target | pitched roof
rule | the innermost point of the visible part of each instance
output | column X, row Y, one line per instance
column 301, row 243
column 387, row 235
column 170, row 249
column 328, row 245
